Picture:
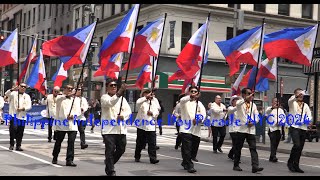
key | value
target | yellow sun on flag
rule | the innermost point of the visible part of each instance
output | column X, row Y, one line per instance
column 129, row 28
column 270, row 62
column 307, row 44
column 256, row 44
column 118, row 58
column 154, row 35
column 149, row 68
column 14, row 42
column 40, row 67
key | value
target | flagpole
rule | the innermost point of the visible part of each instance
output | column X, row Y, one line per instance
column 278, row 92
column 202, row 61
column 85, row 60
column 131, row 47
column 18, row 60
column 259, row 58
column 314, row 120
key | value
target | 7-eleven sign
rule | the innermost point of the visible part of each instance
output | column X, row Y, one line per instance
column 156, row 82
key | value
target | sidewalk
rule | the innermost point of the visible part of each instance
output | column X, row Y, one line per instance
column 311, row 149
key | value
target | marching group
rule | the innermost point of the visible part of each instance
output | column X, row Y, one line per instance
column 114, row 105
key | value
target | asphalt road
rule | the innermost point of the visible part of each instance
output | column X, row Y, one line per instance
column 36, row 159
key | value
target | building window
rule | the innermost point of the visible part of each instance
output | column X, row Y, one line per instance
column 186, row 33
column 44, row 11
column 34, row 16
column 122, row 7
column 100, row 40
column 113, row 9
column 39, row 12
column 22, row 49
column 27, row 39
column 50, row 9
column 61, row 31
column 284, row 9
column 57, row 9
column 83, row 17
column 62, row 8
column 24, row 20
column 77, row 18
column 129, row 6
column 69, row 7
column 43, row 35
column 230, row 32
column 68, row 28
column 232, row 6
column 307, row 11
column 259, row 7
column 29, row 18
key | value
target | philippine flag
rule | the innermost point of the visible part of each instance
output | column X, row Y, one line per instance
column 120, row 39
column 190, row 82
column 60, row 76
column 236, row 86
column 294, row 44
column 69, row 44
column 146, row 43
column 37, row 78
column 9, row 50
column 80, row 56
column 30, row 58
column 243, row 48
column 113, row 66
column 268, row 68
column 188, row 60
column 145, row 75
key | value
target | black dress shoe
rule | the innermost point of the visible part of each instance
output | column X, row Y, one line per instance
column 11, row 148
column 220, row 150
column 237, row 168
column 273, row 159
column 49, row 140
column 84, row 146
column 184, row 166
column 71, row 164
column 176, row 147
column 19, row 149
column 192, row 170
column 230, row 157
column 54, row 161
column 113, row 173
column 195, row 160
column 154, row 161
column 256, row 169
column 157, row 147
column 215, row 151
column 290, row 167
column 297, row 169
column 137, row 160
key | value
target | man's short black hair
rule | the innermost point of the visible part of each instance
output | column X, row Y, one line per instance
column 298, row 89
column 110, row 80
column 244, row 90
column 194, row 87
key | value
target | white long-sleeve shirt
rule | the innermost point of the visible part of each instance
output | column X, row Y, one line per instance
column 24, row 102
column 110, row 106
column 295, row 111
column 217, row 114
column 232, row 126
column 1, row 102
column 243, row 114
column 188, row 110
column 51, row 103
column 274, row 121
column 84, row 105
column 62, row 111
column 143, row 106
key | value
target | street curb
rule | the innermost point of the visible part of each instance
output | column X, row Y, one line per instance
column 285, row 151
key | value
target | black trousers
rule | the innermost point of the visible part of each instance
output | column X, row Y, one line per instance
column 70, row 149
column 115, row 146
column 275, row 137
column 189, row 149
column 16, row 130
column 81, row 128
column 215, row 130
column 233, row 140
column 178, row 139
column 195, row 146
column 144, row 137
column 50, row 128
column 298, row 138
column 251, row 140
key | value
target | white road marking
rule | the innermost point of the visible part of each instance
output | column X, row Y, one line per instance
column 32, row 157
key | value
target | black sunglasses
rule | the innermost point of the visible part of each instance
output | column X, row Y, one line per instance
column 193, row 91
column 23, row 86
column 113, row 85
column 69, row 88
